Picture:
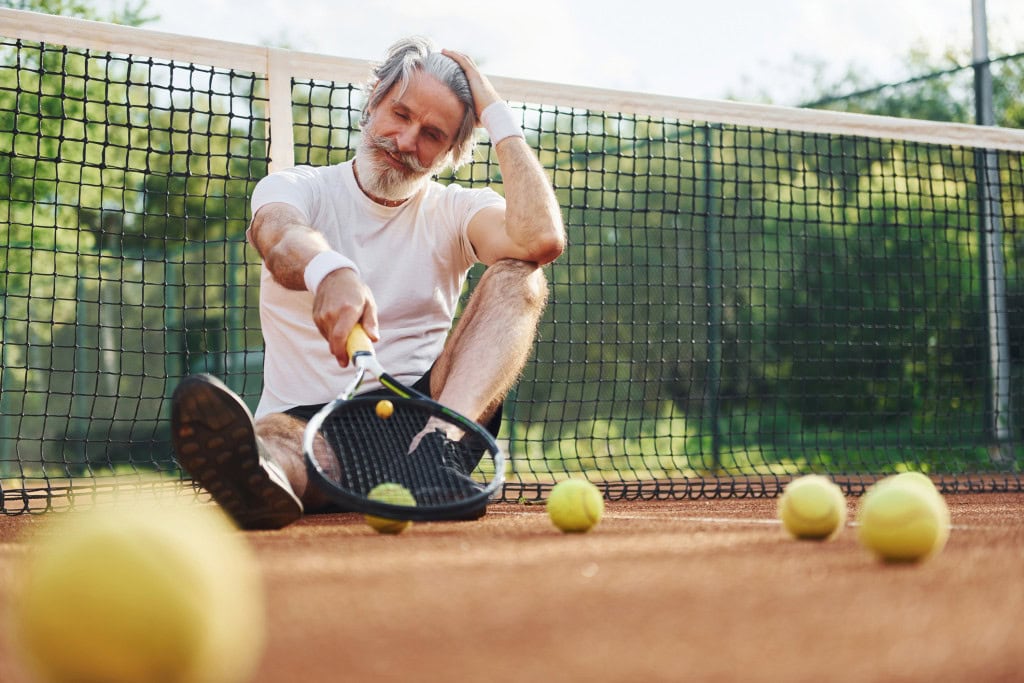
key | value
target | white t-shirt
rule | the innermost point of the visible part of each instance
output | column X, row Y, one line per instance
column 414, row 258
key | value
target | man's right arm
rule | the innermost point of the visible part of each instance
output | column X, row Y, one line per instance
column 287, row 245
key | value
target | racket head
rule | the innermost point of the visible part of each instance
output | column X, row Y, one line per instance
column 370, row 450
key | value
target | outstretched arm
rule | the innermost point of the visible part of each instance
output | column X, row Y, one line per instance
column 530, row 228
column 288, row 245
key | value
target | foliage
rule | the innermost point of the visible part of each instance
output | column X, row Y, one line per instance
column 126, row 13
column 831, row 279
column 125, row 193
column 733, row 299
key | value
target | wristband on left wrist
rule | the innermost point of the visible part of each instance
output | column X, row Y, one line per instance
column 500, row 122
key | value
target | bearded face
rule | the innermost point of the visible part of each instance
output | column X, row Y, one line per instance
column 390, row 174
column 408, row 138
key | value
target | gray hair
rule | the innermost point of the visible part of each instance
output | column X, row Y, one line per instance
column 421, row 54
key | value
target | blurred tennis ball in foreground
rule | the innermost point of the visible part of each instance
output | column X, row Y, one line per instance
column 917, row 478
column 142, row 592
column 395, row 494
column 385, row 409
column 812, row 507
column 903, row 518
column 575, row 505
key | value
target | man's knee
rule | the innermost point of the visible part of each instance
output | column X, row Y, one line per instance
column 279, row 427
column 522, row 280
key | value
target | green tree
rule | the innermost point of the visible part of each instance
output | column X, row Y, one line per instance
column 126, row 13
column 126, row 194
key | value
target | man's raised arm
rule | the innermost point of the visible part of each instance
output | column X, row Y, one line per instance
column 530, row 229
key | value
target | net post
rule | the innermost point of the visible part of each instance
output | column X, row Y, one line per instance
column 712, row 276
column 279, row 94
column 993, row 266
column 985, row 115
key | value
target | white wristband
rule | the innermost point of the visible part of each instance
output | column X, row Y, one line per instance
column 500, row 122
column 322, row 265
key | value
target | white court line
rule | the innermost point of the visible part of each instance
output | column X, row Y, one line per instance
column 740, row 520
column 724, row 520
column 705, row 520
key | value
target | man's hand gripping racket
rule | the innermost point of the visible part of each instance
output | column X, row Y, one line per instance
column 410, row 447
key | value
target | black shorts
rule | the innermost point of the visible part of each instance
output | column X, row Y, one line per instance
column 422, row 385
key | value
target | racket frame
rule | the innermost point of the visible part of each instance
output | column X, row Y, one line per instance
column 365, row 360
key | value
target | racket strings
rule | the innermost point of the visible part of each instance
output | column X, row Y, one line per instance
column 372, row 450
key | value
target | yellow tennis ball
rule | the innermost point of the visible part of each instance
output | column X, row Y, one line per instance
column 141, row 593
column 915, row 479
column 812, row 507
column 385, row 409
column 575, row 505
column 902, row 521
column 396, row 494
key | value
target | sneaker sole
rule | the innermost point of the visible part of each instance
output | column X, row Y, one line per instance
column 214, row 439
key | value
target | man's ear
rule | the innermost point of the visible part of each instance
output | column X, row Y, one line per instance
column 370, row 107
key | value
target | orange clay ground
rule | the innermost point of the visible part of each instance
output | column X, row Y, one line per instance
column 695, row 590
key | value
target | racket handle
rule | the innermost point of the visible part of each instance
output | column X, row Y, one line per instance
column 358, row 341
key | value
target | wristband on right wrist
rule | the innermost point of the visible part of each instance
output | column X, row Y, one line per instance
column 322, row 265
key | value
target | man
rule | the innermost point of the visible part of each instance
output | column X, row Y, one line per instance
column 376, row 241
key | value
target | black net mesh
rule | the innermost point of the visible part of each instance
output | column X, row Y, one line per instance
column 124, row 185
column 736, row 304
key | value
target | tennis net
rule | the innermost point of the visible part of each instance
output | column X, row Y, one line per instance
column 749, row 292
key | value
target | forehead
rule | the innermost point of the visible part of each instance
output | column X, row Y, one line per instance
column 429, row 100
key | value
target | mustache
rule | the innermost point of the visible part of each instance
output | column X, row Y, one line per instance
column 388, row 145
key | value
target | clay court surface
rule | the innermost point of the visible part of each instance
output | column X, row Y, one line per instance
column 695, row 590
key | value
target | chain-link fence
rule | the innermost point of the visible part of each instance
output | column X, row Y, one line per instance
column 946, row 95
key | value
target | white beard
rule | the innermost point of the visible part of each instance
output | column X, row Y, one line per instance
column 379, row 179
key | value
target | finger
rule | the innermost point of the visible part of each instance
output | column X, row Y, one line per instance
column 328, row 322
column 369, row 318
column 457, row 56
column 339, row 334
column 339, row 342
column 464, row 61
column 339, row 352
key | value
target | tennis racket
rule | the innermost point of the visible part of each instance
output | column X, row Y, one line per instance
column 404, row 438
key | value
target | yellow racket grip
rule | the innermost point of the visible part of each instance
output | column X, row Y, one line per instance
column 358, row 341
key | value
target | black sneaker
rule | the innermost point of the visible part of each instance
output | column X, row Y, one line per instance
column 436, row 473
column 215, row 442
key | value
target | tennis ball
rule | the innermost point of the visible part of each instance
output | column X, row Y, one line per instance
column 144, row 592
column 914, row 479
column 575, row 505
column 385, row 409
column 918, row 478
column 396, row 494
column 812, row 507
column 901, row 520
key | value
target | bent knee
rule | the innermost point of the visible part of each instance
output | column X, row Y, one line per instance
column 279, row 426
column 512, row 276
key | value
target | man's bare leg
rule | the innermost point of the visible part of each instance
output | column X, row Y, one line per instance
column 281, row 437
column 481, row 361
column 257, row 471
column 493, row 340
